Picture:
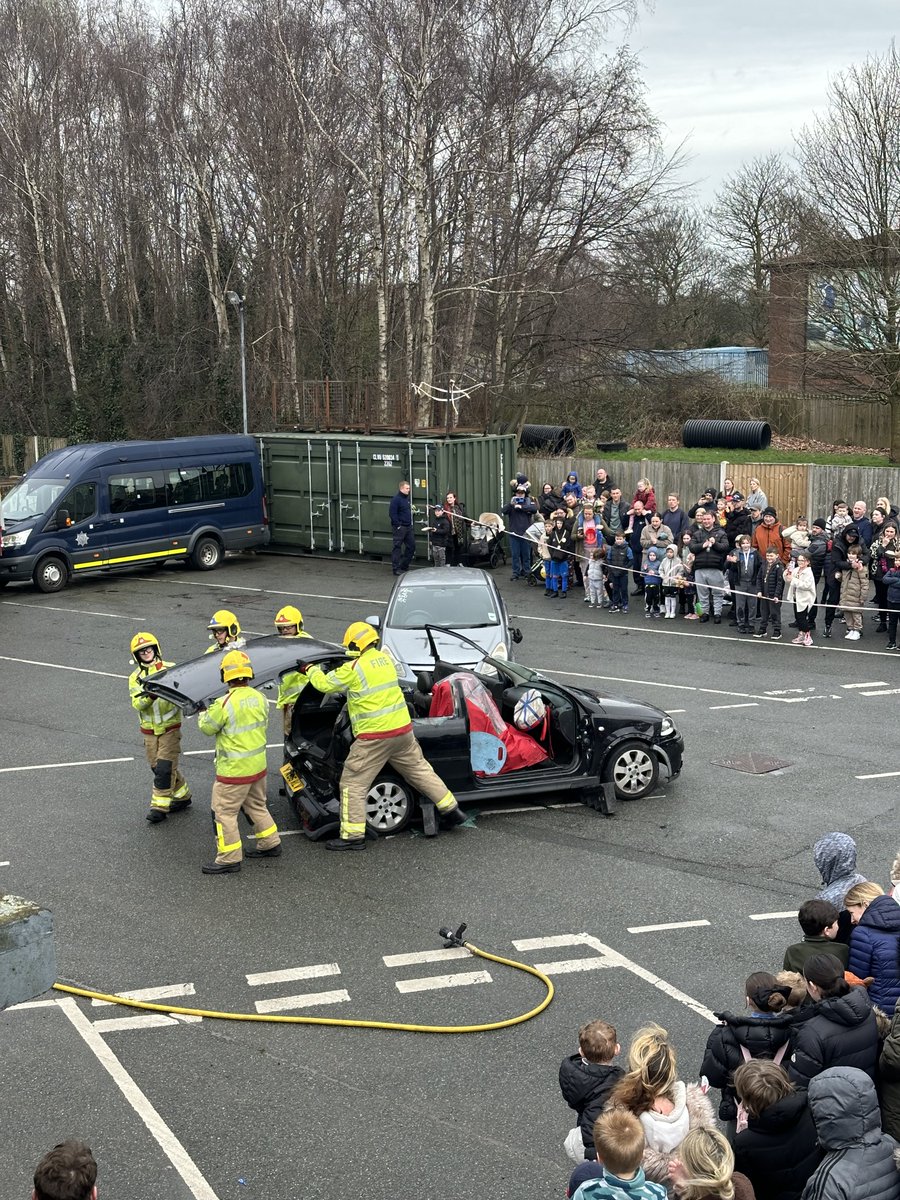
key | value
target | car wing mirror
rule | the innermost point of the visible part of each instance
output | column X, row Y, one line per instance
column 515, row 634
column 374, row 621
column 63, row 519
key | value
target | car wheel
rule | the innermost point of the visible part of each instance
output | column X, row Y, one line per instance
column 207, row 554
column 389, row 806
column 51, row 574
column 634, row 770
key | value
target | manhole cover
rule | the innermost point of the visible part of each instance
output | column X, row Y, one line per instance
column 752, row 764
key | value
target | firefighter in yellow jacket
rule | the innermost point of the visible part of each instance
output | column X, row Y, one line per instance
column 238, row 721
column 225, row 631
column 382, row 731
column 161, row 727
column 289, row 623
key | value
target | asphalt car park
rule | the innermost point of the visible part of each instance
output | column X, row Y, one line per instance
column 657, row 913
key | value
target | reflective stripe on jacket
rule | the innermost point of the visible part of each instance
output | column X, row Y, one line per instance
column 292, row 682
column 374, row 700
column 157, row 716
column 238, row 722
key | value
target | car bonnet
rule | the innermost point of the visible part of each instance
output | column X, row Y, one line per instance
column 195, row 684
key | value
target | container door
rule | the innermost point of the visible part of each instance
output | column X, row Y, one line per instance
column 300, row 483
column 370, row 473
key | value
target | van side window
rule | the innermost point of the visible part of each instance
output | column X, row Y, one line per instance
column 80, row 502
column 131, row 493
column 200, row 485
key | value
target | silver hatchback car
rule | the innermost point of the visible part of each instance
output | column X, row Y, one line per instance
column 458, row 598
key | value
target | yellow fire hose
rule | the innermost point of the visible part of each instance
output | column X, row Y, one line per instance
column 454, row 939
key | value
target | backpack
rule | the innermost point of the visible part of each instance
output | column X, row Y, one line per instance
column 742, row 1115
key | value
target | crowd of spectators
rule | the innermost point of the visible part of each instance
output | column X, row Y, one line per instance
column 728, row 555
column 808, row 1073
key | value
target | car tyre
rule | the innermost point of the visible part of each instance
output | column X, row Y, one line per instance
column 207, row 554
column 51, row 574
column 634, row 770
column 390, row 805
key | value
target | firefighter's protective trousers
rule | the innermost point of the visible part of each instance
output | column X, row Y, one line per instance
column 161, row 729
column 238, row 722
column 380, row 720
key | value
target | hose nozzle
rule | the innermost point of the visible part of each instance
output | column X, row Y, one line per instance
column 451, row 938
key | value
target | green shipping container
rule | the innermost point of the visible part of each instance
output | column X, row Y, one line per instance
column 331, row 492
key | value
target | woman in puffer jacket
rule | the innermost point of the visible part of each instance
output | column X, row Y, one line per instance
column 666, row 1107
column 875, row 942
column 859, row 1159
column 838, row 1030
column 759, row 1033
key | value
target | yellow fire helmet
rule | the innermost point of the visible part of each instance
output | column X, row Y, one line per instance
column 289, row 615
column 224, row 619
column 358, row 637
column 236, row 665
column 140, row 641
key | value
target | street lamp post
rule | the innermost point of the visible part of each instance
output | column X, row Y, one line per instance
column 237, row 300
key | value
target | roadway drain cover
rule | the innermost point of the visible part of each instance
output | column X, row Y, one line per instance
column 751, row 764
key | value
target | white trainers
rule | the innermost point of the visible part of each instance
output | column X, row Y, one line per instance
column 798, row 640
column 852, row 636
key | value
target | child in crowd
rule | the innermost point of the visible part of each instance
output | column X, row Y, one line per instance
column 571, row 487
column 802, row 594
column 617, row 1174
column 595, row 594
column 619, row 561
column 560, row 544
column 743, row 575
column 671, row 574
column 646, row 495
column 585, row 1080
column 891, row 580
column 839, row 520
column 769, row 593
column 652, row 584
column 819, row 922
column 687, row 593
column 440, row 530
column 544, row 552
column 798, row 535
column 854, row 589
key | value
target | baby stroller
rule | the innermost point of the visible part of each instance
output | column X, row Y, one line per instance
column 486, row 542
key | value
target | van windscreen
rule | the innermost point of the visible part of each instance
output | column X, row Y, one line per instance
column 31, row 498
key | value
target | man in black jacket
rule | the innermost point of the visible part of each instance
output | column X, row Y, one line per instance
column 709, row 546
column 614, row 517
column 738, row 520
column 519, row 513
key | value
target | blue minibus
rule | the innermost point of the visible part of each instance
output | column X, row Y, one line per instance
column 113, row 505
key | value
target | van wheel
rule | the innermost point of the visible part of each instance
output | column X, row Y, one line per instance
column 51, row 574
column 207, row 554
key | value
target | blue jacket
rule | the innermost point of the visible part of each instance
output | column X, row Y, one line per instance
column 875, row 950
column 401, row 510
column 892, row 579
column 573, row 488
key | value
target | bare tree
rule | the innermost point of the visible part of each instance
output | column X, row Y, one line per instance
column 849, row 159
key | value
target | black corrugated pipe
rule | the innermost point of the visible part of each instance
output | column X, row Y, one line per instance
column 556, row 439
column 727, row 435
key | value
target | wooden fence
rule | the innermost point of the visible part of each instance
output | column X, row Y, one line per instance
column 19, row 452
column 793, row 489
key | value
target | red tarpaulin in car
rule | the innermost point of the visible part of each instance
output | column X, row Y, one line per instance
column 484, row 717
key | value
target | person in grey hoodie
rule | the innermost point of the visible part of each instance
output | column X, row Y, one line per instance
column 835, row 857
column 859, row 1161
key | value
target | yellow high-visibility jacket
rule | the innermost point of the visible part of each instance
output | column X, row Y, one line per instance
column 157, row 716
column 374, row 700
column 292, row 682
column 238, row 722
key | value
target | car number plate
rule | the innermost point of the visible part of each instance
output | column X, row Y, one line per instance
column 291, row 777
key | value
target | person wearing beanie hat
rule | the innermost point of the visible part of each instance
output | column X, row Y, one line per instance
column 818, row 548
column 769, row 533
column 441, row 531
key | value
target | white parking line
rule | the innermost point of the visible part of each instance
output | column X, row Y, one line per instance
column 317, row 971
column 82, row 612
column 432, row 983
column 888, row 692
column 779, row 916
column 233, row 587
column 748, row 704
column 875, row 683
column 127, row 1024
column 307, row 1000
column 167, row 992
column 880, row 775
column 568, row 965
column 660, row 984
column 30, row 662
column 425, row 956
column 4, row 864
column 550, row 943
column 165, row 1138
column 87, row 762
column 669, row 925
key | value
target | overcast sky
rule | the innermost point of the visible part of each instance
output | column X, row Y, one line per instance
column 738, row 79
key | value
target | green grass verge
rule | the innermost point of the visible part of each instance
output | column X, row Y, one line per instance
column 680, row 454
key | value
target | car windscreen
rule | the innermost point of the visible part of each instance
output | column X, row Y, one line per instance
column 32, row 498
column 458, row 606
